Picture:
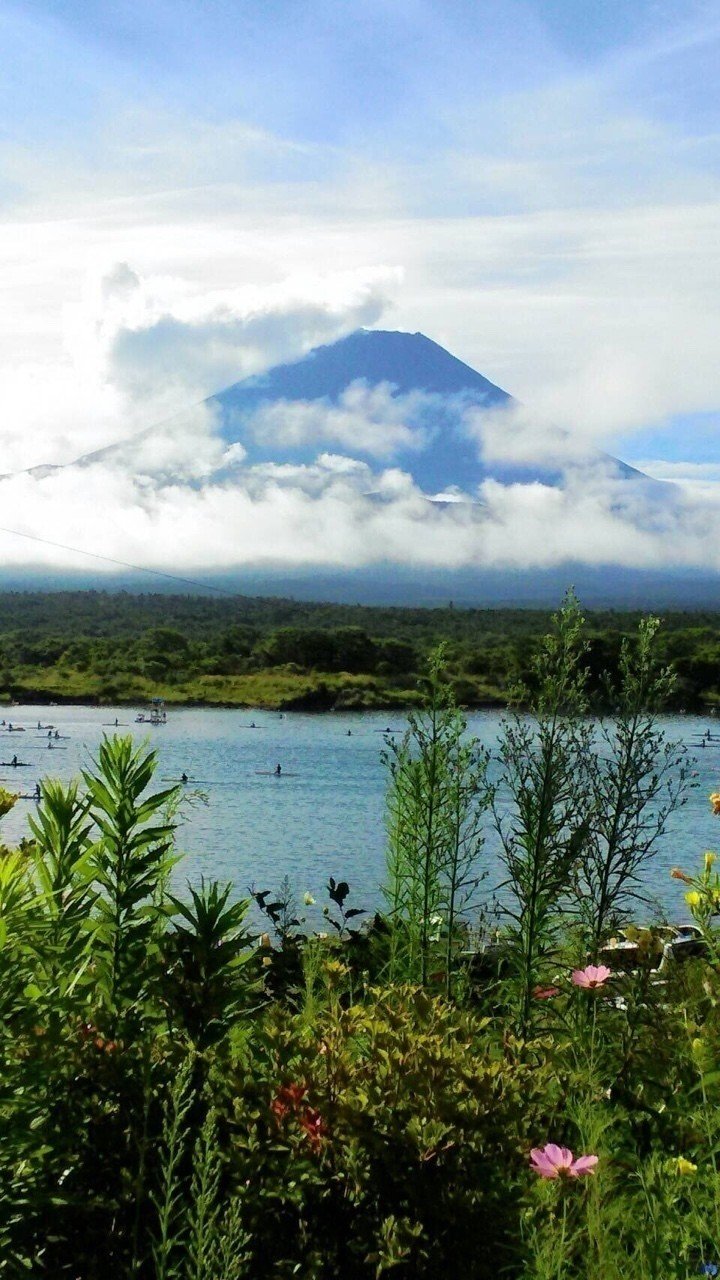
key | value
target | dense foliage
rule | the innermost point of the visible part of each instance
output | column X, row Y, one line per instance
column 184, row 1099
column 117, row 647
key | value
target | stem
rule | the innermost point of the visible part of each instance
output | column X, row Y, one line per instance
column 531, row 929
column 561, row 1250
column 603, row 892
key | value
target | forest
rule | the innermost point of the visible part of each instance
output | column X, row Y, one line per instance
column 116, row 647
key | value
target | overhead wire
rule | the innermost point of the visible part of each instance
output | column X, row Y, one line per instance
column 112, row 560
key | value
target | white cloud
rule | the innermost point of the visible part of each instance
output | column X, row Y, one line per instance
column 139, row 350
column 199, row 345
column 513, row 434
column 370, row 419
column 339, row 512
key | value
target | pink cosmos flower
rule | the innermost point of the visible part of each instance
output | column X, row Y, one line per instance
column 593, row 975
column 552, row 1161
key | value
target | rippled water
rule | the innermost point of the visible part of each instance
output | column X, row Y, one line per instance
column 324, row 815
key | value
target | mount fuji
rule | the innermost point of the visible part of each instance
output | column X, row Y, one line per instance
column 382, row 398
column 383, row 380
column 392, row 422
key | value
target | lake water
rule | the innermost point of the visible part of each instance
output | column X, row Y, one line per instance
column 324, row 815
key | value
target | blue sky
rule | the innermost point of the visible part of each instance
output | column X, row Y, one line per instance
column 533, row 183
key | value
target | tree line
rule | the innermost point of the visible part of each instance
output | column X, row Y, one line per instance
column 106, row 645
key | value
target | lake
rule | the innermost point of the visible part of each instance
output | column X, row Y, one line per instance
column 324, row 815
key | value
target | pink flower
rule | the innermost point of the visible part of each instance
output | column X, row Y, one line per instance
column 594, row 975
column 545, row 993
column 552, row 1161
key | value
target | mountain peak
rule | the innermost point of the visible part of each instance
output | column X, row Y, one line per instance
column 408, row 361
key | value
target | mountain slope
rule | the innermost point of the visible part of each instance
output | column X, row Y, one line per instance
column 427, row 386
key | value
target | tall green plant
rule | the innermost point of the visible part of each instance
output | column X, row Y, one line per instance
column 130, row 861
column 207, row 954
column 437, row 798
column 638, row 779
column 547, row 811
column 61, row 832
column 199, row 1233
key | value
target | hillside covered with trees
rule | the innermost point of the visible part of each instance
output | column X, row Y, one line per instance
column 117, row 647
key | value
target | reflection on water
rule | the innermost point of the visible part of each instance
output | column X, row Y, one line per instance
column 324, row 815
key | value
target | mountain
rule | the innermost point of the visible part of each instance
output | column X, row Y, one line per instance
column 382, row 397
column 372, row 419
column 432, row 389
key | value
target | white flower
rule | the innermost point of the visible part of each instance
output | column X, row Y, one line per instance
column 308, row 900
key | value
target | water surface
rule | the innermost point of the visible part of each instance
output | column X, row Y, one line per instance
column 324, row 815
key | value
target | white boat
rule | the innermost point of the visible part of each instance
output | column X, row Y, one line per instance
column 155, row 715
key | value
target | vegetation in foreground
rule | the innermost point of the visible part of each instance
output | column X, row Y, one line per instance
column 119, row 648
column 182, row 1099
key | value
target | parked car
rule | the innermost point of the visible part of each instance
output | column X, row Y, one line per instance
column 663, row 946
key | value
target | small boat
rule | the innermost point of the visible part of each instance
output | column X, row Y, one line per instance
column 156, row 714
column 198, row 782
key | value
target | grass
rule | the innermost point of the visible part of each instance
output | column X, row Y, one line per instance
column 274, row 689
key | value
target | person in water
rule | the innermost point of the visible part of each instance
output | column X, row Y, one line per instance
column 278, row 770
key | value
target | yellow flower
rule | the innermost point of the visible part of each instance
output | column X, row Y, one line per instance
column 710, row 858
column 693, row 899
column 715, row 801
column 684, row 1167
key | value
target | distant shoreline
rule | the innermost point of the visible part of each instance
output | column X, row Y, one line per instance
column 296, row 704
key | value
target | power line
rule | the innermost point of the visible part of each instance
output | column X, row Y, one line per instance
column 124, row 564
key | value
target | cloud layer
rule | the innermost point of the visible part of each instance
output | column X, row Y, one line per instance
column 180, row 500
